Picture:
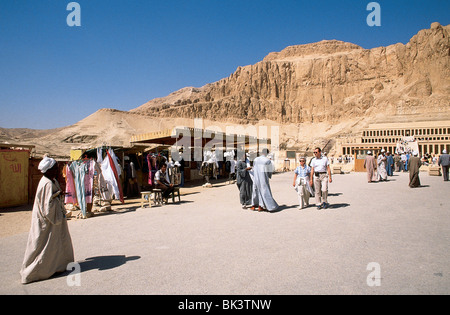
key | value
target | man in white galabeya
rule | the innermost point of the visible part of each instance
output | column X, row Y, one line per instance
column 49, row 248
column 262, row 195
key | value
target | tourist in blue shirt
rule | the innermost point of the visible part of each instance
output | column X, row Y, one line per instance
column 301, row 183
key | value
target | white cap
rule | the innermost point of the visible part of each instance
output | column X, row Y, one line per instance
column 369, row 152
column 444, row 151
column 46, row 164
column 382, row 150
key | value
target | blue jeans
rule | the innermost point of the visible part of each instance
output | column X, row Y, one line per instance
column 182, row 179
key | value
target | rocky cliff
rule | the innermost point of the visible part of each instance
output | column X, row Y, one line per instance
column 328, row 81
column 313, row 93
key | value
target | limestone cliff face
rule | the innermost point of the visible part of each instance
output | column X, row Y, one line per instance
column 314, row 93
column 328, row 81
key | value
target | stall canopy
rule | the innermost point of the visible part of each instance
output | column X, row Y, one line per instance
column 198, row 137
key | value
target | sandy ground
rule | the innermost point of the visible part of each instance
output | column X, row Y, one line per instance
column 208, row 245
column 16, row 220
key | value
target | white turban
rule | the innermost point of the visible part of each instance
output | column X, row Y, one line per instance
column 46, row 164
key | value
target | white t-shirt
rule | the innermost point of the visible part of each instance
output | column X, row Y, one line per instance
column 320, row 165
column 159, row 174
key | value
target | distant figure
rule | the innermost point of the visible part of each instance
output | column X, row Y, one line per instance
column 389, row 164
column 370, row 165
column 381, row 166
column 403, row 161
column 132, row 186
column 181, row 168
column 408, row 155
column 262, row 172
column 244, row 182
column 414, row 164
column 444, row 162
column 397, row 162
column 49, row 248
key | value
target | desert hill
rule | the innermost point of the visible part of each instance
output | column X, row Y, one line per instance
column 314, row 93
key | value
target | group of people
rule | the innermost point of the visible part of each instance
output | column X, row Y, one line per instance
column 49, row 248
column 254, row 187
column 313, row 179
column 383, row 166
column 380, row 168
column 343, row 159
column 253, row 182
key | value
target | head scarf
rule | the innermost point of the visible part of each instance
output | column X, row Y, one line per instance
column 46, row 164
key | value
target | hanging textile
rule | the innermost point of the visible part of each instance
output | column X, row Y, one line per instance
column 79, row 183
column 152, row 167
column 89, row 180
column 110, row 179
column 104, row 190
column 71, row 194
column 116, row 170
column 78, row 168
column 99, row 155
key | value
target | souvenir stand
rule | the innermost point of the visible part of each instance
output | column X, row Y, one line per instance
column 198, row 139
column 93, row 179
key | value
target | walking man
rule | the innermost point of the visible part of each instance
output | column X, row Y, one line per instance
column 244, row 182
column 414, row 164
column 370, row 164
column 381, row 166
column 49, row 248
column 320, row 176
column 444, row 162
column 301, row 183
column 262, row 195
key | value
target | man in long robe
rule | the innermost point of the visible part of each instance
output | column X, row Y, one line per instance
column 244, row 183
column 381, row 166
column 262, row 172
column 49, row 248
column 414, row 164
column 370, row 165
column 389, row 164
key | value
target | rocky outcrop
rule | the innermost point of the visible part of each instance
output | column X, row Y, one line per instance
column 313, row 93
column 326, row 81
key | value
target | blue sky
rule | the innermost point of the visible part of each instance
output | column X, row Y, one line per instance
column 127, row 52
